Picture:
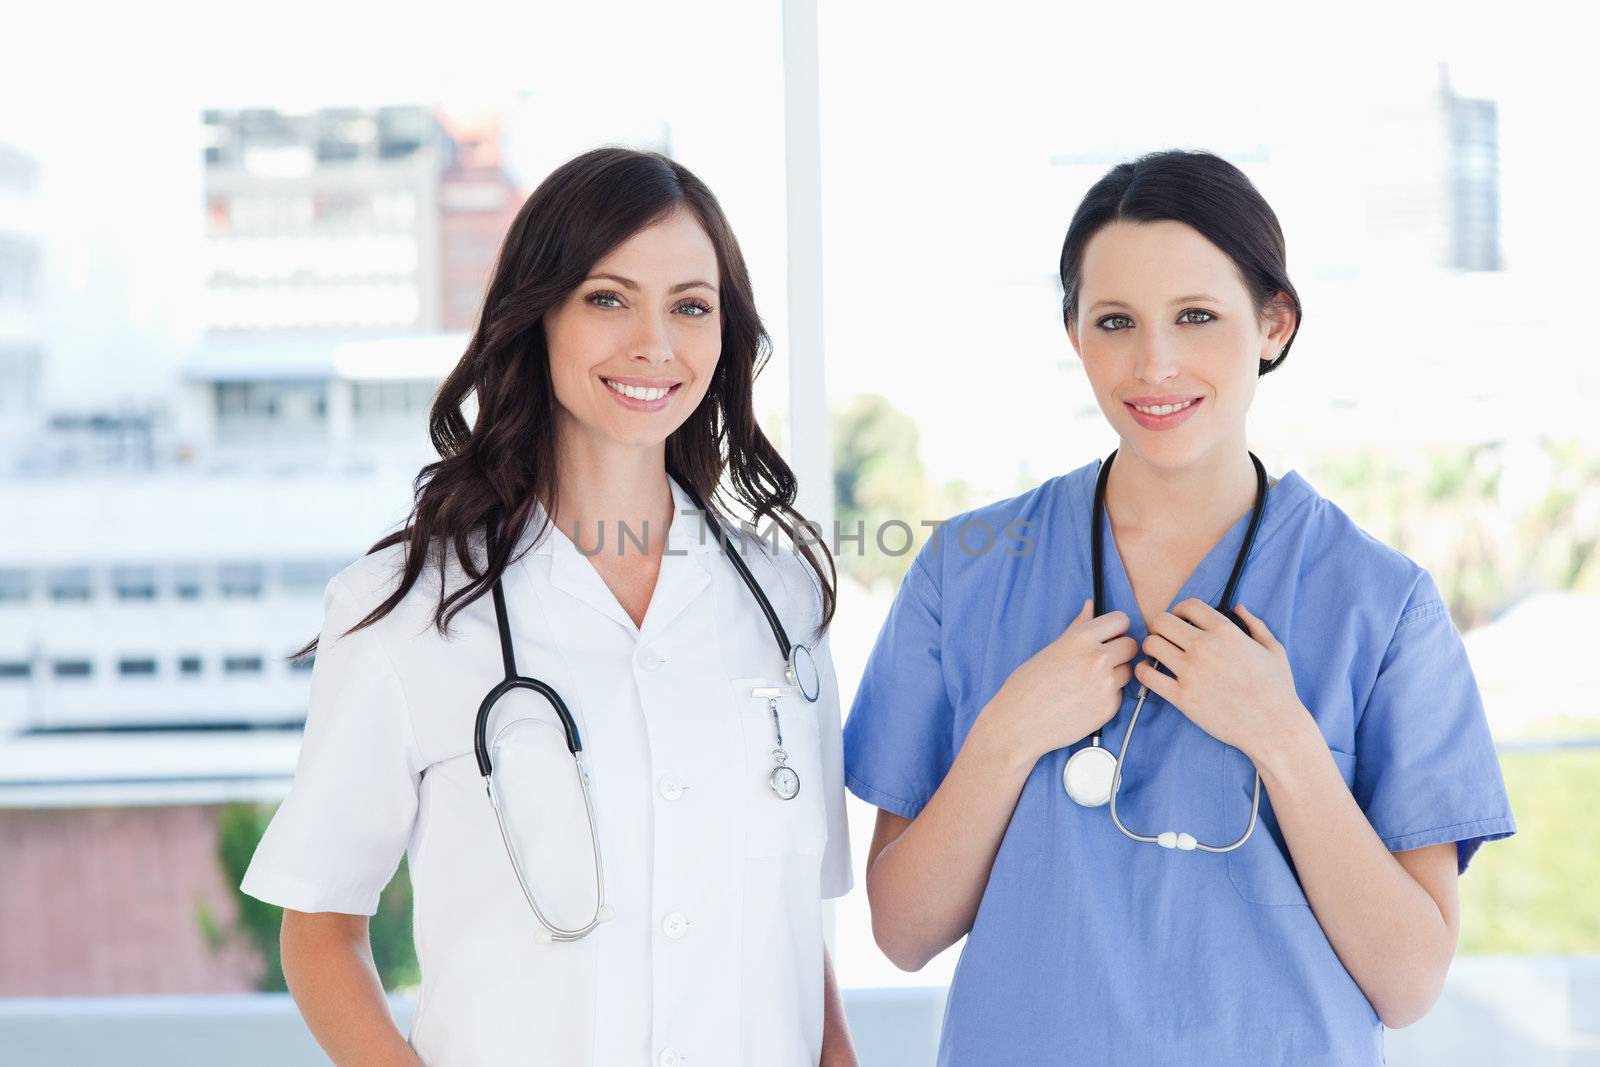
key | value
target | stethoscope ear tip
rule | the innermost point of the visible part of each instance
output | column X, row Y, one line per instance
column 605, row 914
column 542, row 936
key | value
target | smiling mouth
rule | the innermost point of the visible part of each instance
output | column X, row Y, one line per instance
column 1164, row 409
column 640, row 392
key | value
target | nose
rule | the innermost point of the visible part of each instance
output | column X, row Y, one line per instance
column 1156, row 360
column 651, row 343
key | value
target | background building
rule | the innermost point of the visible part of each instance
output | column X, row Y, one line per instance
column 21, row 328
column 477, row 201
column 158, row 564
column 323, row 221
column 347, row 252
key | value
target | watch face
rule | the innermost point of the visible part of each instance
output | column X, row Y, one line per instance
column 785, row 782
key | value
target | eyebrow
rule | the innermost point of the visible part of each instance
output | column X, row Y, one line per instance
column 1192, row 298
column 629, row 283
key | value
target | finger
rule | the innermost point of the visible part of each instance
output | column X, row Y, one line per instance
column 1164, row 650
column 1199, row 614
column 1258, row 629
column 1105, row 627
column 1159, row 684
column 1122, row 649
column 1084, row 617
column 1122, row 675
column 1177, row 630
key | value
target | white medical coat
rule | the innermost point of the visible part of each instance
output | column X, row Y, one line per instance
column 714, row 957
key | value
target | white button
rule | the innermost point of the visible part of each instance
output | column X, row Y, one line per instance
column 671, row 786
column 670, row 1058
column 675, row 925
column 650, row 661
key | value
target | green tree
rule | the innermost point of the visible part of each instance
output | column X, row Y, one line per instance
column 1492, row 524
column 879, row 480
column 239, row 830
column 1447, row 508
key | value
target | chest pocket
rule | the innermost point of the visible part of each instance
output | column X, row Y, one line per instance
column 1260, row 869
column 774, row 826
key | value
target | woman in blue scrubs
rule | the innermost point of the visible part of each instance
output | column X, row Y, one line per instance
column 1340, row 680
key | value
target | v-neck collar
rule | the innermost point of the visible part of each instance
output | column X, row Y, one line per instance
column 685, row 568
column 1209, row 576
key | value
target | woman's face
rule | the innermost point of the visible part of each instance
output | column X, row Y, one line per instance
column 1170, row 340
column 633, row 348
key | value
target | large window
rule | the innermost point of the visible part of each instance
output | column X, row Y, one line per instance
column 208, row 240
column 16, row 586
column 241, row 581
column 72, row 585
column 134, row 583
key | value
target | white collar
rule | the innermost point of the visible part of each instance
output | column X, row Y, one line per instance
column 690, row 534
column 685, row 567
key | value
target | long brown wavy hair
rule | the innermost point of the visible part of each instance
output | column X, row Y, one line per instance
column 492, row 473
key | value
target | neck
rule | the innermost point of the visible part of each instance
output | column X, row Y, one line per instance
column 1179, row 503
column 603, row 484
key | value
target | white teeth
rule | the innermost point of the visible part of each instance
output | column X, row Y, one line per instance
column 1162, row 409
column 637, row 392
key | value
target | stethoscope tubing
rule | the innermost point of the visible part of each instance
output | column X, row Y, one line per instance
column 513, row 680
column 601, row 911
column 1172, row 839
column 569, row 727
column 778, row 632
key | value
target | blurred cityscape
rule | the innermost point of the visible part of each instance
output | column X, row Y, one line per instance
column 165, row 558
column 164, row 552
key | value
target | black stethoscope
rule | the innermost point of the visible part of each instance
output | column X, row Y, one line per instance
column 800, row 670
column 1092, row 776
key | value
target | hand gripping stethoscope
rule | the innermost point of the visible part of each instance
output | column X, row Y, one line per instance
column 1092, row 776
column 800, row 671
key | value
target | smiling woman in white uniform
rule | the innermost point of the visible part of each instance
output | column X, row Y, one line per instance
column 611, row 374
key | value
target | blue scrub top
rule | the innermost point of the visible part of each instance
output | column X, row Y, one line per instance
column 1091, row 948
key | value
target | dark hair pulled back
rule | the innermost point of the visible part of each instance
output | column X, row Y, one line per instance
column 1203, row 191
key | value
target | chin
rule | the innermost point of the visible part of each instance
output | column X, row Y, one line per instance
column 639, row 440
column 1164, row 452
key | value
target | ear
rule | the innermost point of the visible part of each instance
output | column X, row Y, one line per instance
column 1280, row 319
column 1072, row 335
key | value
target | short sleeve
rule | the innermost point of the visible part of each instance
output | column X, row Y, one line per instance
column 1426, row 768
column 897, row 738
column 337, row 838
column 837, row 877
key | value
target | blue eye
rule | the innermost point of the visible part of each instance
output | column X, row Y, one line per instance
column 1196, row 311
column 1114, row 318
column 604, row 299
column 694, row 309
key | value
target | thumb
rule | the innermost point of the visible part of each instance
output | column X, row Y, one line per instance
column 1258, row 629
column 1085, row 614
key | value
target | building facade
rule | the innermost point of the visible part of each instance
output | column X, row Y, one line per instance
column 158, row 568
column 21, row 262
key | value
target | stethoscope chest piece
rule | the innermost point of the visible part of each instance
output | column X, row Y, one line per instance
column 802, row 672
column 1089, row 774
